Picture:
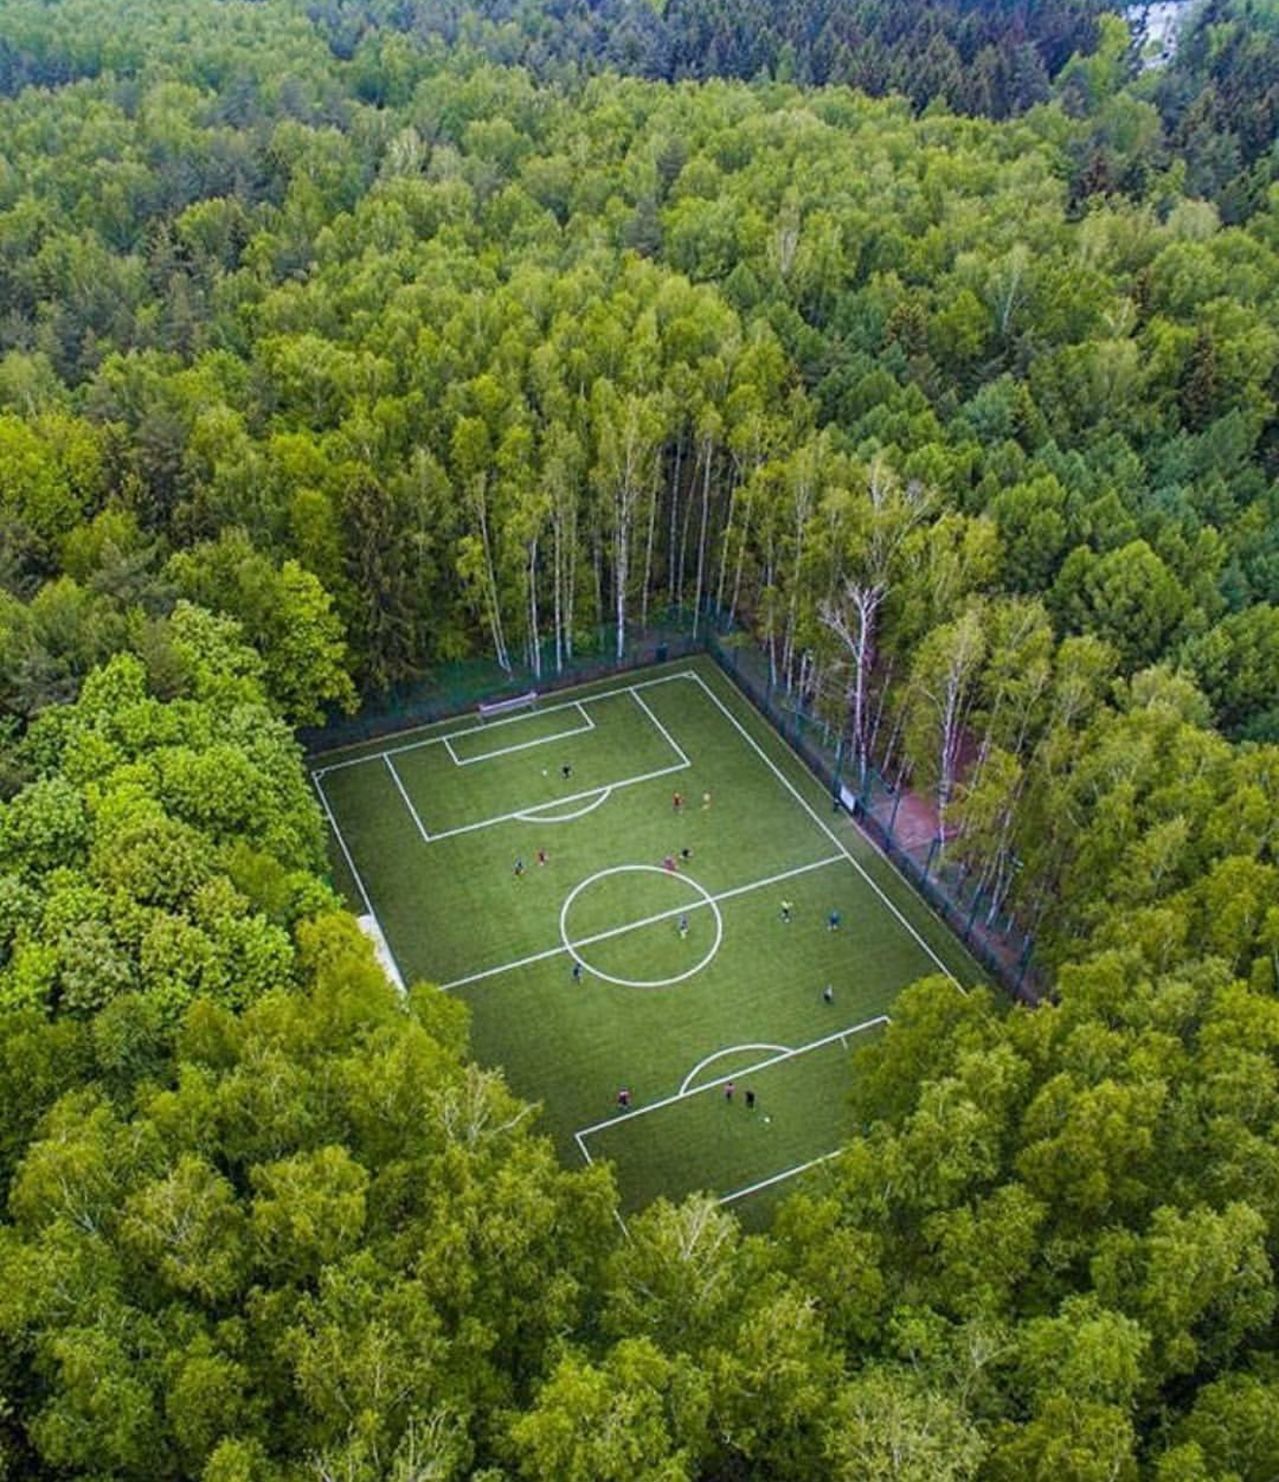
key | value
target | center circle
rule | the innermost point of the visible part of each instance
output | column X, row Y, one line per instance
column 571, row 948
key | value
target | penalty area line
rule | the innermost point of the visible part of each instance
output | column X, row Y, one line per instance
column 532, row 816
column 575, row 797
column 488, row 756
column 408, row 802
column 817, row 1044
column 617, row 1213
column 719, row 1055
column 670, row 740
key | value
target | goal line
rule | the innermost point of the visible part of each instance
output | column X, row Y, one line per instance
column 373, row 756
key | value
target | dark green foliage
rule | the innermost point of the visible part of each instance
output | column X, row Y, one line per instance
column 1220, row 98
column 338, row 341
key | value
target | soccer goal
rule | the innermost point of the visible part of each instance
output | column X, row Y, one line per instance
column 488, row 709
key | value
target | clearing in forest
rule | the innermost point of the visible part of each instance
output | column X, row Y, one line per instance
column 609, row 938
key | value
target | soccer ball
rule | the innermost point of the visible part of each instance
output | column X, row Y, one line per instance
column 543, row 771
column 767, row 1120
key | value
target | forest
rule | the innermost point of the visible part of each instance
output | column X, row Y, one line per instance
column 342, row 342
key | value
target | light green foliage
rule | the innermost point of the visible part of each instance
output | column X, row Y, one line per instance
column 285, row 613
column 342, row 342
column 1200, row 1282
column 638, row 1415
column 123, row 839
column 886, row 1425
column 308, row 1211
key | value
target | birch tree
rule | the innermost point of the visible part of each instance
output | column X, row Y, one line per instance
column 943, row 683
column 628, row 432
column 476, row 562
column 562, row 466
column 884, row 518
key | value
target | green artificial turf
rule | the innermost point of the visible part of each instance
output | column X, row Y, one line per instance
column 689, row 976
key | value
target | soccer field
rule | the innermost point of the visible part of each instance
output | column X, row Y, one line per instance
column 622, row 963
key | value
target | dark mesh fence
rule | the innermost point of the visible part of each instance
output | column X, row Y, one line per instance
column 892, row 819
column 896, row 821
column 453, row 689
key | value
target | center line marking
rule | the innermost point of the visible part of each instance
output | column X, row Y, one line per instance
column 617, row 931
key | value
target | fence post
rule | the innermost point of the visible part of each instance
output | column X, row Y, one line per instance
column 1023, row 964
column 972, row 915
column 892, row 817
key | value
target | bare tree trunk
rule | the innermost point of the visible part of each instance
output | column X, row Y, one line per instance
column 621, row 565
column 557, row 565
column 770, row 623
column 683, row 542
column 671, row 568
column 858, row 637
column 885, row 686
column 598, row 556
column 701, row 543
column 725, row 543
column 648, row 547
column 803, row 501
column 535, row 640
column 569, row 572
column 491, row 589
column 741, row 558
column 570, row 584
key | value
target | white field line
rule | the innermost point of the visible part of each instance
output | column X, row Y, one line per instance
column 719, row 1055
column 777, row 1178
column 575, row 797
column 520, row 813
column 617, row 931
column 626, row 689
column 408, row 802
column 617, row 1213
column 670, row 740
column 397, row 975
column 737, row 1075
column 448, row 746
column 487, row 756
column 821, row 824
column 532, row 816
column 346, row 853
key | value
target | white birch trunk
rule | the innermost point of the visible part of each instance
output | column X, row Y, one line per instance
column 701, row 543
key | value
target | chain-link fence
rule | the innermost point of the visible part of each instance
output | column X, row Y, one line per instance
column 898, row 822
column 452, row 689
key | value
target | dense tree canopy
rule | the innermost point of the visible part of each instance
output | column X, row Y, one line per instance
column 339, row 342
